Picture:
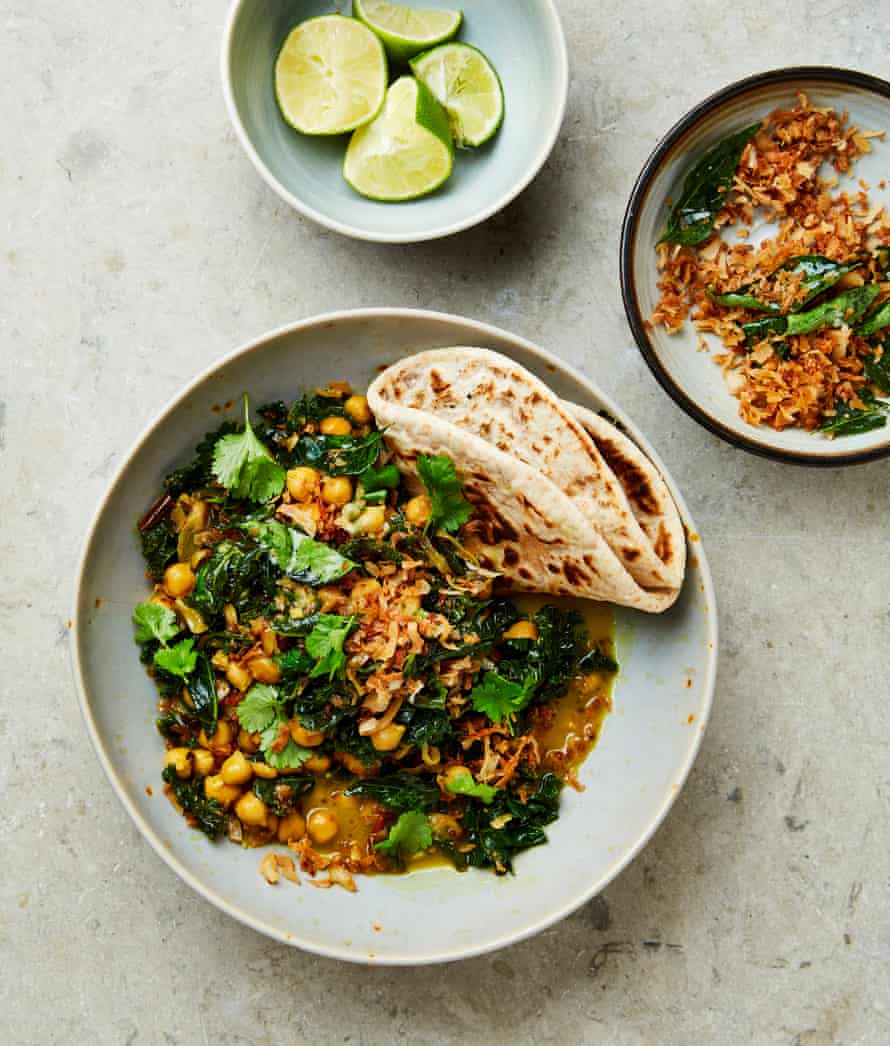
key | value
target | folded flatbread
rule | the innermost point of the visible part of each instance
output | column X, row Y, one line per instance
column 553, row 513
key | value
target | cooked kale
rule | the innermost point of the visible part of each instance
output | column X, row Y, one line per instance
column 199, row 471
column 206, row 814
column 281, row 793
column 553, row 659
column 158, row 548
column 202, row 690
column 338, row 455
column 595, row 660
column 430, row 726
column 851, row 421
column 399, row 791
column 496, row 846
column 240, row 574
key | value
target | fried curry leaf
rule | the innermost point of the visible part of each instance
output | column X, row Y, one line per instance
column 692, row 217
column 852, row 421
column 399, row 791
column 243, row 465
column 450, row 509
column 844, row 310
column 874, row 321
column 816, row 275
column 411, row 834
column 878, row 371
column 206, row 814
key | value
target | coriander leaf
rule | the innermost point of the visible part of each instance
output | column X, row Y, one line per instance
column 462, row 783
column 243, row 465
column 154, row 621
column 499, row 698
column 299, row 556
column 259, row 709
column 450, row 509
column 291, row 757
column 411, row 834
column 179, row 660
column 325, row 643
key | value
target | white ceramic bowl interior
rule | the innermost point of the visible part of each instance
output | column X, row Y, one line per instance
column 527, row 47
column 686, row 373
column 662, row 697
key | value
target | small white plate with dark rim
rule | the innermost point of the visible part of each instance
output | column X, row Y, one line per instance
column 661, row 704
column 687, row 375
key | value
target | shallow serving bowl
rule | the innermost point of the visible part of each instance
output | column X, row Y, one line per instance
column 528, row 50
column 662, row 697
column 688, row 375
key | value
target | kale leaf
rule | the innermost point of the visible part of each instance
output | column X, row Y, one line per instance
column 399, row 791
column 158, row 548
column 206, row 814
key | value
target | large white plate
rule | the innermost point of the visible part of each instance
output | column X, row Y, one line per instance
column 662, row 698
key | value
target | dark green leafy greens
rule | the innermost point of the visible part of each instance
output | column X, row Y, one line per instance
column 207, row 814
column 845, row 309
column 692, row 217
column 281, row 794
column 817, row 273
column 338, row 455
column 399, row 791
column 198, row 474
column 158, row 548
column 878, row 371
column 874, row 321
column 298, row 556
column 852, row 421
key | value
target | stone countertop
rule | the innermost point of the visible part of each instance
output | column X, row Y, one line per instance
column 139, row 245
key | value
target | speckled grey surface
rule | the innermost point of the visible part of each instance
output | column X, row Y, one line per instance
column 138, row 245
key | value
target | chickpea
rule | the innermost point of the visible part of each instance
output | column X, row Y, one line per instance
column 445, row 826
column 236, row 770
column 239, row 676
column 357, row 408
column 522, row 630
column 216, row 788
column 418, row 510
column 322, row 826
column 291, row 826
column 265, row 670
column 330, row 599
column 179, row 580
column 252, row 811
column 318, row 764
column 230, row 616
column 388, row 738
column 302, row 483
column 181, row 760
column 336, row 490
column 248, row 742
column 306, row 738
column 334, row 426
column 269, row 640
column 221, row 740
column 203, row 761
column 371, row 520
column 268, row 773
column 363, row 592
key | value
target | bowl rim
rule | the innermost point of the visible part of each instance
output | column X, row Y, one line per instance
column 560, row 72
column 815, row 73
column 165, row 852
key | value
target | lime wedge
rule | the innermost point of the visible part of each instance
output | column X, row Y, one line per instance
column 466, row 84
column 406, row 151
column 405, row 31
column 330, row 75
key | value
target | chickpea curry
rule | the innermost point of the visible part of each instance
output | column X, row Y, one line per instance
column 336, row 672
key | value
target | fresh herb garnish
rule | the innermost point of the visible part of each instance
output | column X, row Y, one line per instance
column 411, row 834
column 260, row 708
column 705, row 190
column 325, row 644
column 179, row 660
column 154, row 621
column 501, row 698
column 299, row 556
column 243, row 465
column 462, row 783
column 450, row 509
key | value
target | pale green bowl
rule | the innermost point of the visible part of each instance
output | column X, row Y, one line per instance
column 524, row 40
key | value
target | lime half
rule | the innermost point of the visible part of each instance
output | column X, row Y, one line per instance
column 406, row 151
column 466, row 84
column 330, row 75
column 405, row 31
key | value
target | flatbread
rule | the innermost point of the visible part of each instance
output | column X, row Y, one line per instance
column 548, row 507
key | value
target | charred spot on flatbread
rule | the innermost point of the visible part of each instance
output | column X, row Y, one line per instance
column 630, row 476
column 663, row 547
